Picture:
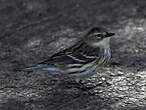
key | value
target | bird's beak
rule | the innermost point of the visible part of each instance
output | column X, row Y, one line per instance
column 109, row 35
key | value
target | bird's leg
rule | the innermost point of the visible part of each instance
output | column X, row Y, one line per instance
column 74, row 83
column 83, row 87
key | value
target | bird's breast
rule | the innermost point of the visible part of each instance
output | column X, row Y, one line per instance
column 105, row 57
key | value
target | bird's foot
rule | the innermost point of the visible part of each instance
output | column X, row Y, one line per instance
column 87, row 89
column 81, row 85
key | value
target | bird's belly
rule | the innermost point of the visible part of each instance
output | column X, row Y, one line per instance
column 85, row 74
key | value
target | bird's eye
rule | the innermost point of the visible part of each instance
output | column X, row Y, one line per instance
column 99, row 35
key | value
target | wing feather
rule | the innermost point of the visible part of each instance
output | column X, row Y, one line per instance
column 76, row 56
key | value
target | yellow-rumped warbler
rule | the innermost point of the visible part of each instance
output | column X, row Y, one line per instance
column 83, row 59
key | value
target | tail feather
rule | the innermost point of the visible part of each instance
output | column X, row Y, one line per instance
column 42, row 68
column 33, row 68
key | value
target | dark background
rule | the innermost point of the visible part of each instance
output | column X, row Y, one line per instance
column 33, row 30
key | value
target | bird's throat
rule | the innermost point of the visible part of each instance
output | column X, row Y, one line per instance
column 105, row 43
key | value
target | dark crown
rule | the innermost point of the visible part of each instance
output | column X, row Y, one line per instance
column 97, row 29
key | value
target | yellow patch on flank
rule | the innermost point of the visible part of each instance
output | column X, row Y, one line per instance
column 58, row 65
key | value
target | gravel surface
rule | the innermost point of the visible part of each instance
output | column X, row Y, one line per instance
column 33, row 30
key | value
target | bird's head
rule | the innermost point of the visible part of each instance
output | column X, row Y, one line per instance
column 98, row 37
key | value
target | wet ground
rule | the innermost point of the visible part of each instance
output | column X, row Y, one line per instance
column 33, row 30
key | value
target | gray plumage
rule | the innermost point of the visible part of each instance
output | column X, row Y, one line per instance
column 83, row 59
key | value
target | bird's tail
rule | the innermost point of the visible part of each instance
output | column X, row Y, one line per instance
column 34, row 68
column 42, row 68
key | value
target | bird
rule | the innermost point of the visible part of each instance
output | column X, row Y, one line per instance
column 81, row 60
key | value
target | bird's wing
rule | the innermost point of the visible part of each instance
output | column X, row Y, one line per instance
column 76, row 55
